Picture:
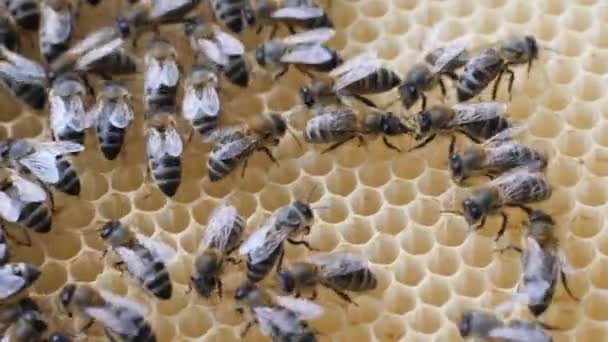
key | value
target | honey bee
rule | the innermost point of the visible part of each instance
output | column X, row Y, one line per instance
column 24, row 202
column 338, row 125
column 222, row 237
column 493, row 157
column 253, row 298
column 25, row 12
column 23, row 321
column 56, row 27
column 305, row 51
column 542, row 262
column 145, row 258
column 201, row 102
column 161, row 77
column 25, row 79
column 164, row 148
column 151, row 13
column 337, row 271
column 482, row 325
column 305, row 14
column 235, row 14
column 235, row 145
column 283, row 325
column 17, row 277
column 68, row 119
column 123, row 319
column 4, row 252
column 46, row 161
column 264, row 248
column 112, row 114
column 9, row 36
column 516, row 188
column 477, row 121
column 425, row 76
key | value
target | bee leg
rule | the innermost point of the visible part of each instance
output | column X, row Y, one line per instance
column 523, row 207
column 452, row 145
column 119, row 266
column 103, row 255
column 423, row 107
column 244, row 168
column 247, row 328
column 304, row 243
column 305, row 72
column 291, row 29
column 451, row 75
column 87, row 326
column 510, row 248
column 280, row 262
column 234, row 261
column 343, row 295
column 365, row 101
column 28, row 243
column 220, row 287
column 88, row 85
column 269, row 154
column 468, row 135
column 281, row 73
column 481, row 224
column 240, row 311
column 503, row 226
column 511, row 80
column 336, row 145
column 389, row 145
column 424, row 143
column 314, row 294
column 442, row 87
column 496, row 83
column 566, row 287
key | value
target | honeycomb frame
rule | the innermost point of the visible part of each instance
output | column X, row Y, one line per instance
column 381, row 203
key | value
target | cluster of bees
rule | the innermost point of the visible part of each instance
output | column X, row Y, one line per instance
column 31, row 168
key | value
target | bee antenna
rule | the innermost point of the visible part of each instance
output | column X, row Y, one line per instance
column 551, row 49
column 323, row 207
column 453, row 212
column 312, row 191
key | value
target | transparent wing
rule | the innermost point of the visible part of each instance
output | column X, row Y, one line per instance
column 447, row 54
column 162, row 7
column 59, row 118
column 518, row 183
column 316, row 36
column 9, row 208
column 236, row 148
column 475, row 112
column 213, row 51
column 158, row 248
column 95, row 40
column 134, row 264
column 173, row 145
column 42, row 165
column 534, row 267
column 301, row 13
column 20, row 68
column 98, row 53
column 154, row 143
column 263, row 242
column 219, row 228
column 336, row 264
column 518, row 334
column 307, row 54
column 355, row 75
column 9, row 282
column 506, row 134
column 77, row 115
column 303, row 308
column 28, row 191
column 210, row 100
column 55, row 27
column 121, row 115
column 153, row 71
column 109, row 317
column 364, row 58
column 122, row 302
column 191, row 104
column 222, row 132
column 228, row 44
column 271, row 319
column 170, row 74
column 57, row 148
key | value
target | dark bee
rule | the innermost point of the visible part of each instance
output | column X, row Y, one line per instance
column 123, row 319
column 222, row 237
column 56, row 27
column 338, row 125
column 161, row 77
column 264, row 248
column 235, row 14
column 22, row 321
column 493, row 157
column 16, row 277
column 113, row 115
column 143, row 257
column 68, row 119
column 338, row 272
column 25, row 12
column 25, row 79
column 282, row 324
column 164, row 148
column 9, row 36
column 482, row 325
column 304, row 14
column 478, row 121
column 305, row 51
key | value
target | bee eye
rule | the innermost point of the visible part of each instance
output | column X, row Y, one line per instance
column 455, row 165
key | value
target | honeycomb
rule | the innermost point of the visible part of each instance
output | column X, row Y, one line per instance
column 383, row 204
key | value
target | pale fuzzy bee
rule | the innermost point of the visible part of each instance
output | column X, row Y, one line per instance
column 235, row 145
column 515, row 50
column 337, row 271
column 24, row 78
column 264, row 248
column 68, row 118
column 22, row 321
column 493, row 157
column 24, row 202
column 145, row 258
column 164, row 148
column 56, row 27
column 517, row 188
column 4, row 252
column 305, row 51
column 477, row 121
column 16, row 277
column 283, row 325
column 201, row 102
column 161, row 78
column 425, row 76
column 44, row 160
column 25, row 12
column 304, row 14
column 123, row 319
column 235, row 14
column 482, row 325
column 112, row 114
column 9, row 35
column 222, row 237
column 251, row 297
column 479, row 71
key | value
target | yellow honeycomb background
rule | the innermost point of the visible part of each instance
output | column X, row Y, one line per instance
column 381, row 203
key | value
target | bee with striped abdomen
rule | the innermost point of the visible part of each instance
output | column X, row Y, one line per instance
column 123, row 319
column 479, row 71
column 9, row 34
column 264, row 248
column 338, row 271
column 478, row 121
column 164, row 149
column 282, row 324
column 201, row 102
column 68, row 119
column 222, row 237
column 22, row 321
column 112, row 114
column 161, row 77
column 25, row 79
column 26, row 13
column 47, row 161
column 145, row 258
column 483, row 325
column 305, row 51
column 16, row 277
column 304, row 14
column 237, row 15
column 493, row 157
column 56, row 27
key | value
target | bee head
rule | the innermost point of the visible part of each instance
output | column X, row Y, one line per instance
column 28, row 271
column 464, row 327
column 286, row 281
column 278, row 124
column 57, row 337
column 325, row 21
column 34, row 320
column 306, row 96
column 66, row 294
column 424, row 122
column 304, row 209
column 204, row 285
column 538, row 309
column 260, row 55
column 109, row 228
column 541, row 217
column 472, row 211
column 123, row 26
column 249, row 16
column 455, row 165
column 533, row 46
column 409, row 94
column 391, row 124
column 243, row 291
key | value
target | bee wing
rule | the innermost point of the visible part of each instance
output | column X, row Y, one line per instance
column 94, row 41
column 263, row 242
column 316, row 36
column 210, row 100
column 511, row 183
column 134, row 264
column 303, row 308
column 55, row 26
column 162, row 7
column 337, row 264
column 10, row 210
column 122, row 302
column 301, row 13
column 42, row 165
column 517, row 334
column 307, row 54
column 121, row 115
column 152, row 78
column 98, row 53
column 228, row 44
column 221, row 132
column 170, row 73
column 58, row 148
column 108, row 316
column 173, row 144
column 19, row 68
column 270, row 319
column 368, row 57
column 158, row 248
column 506, row 134
column 219, row 228
column 475, row 112
column 154, row 143
column 449, row 53
column 236, row 148
column 213, row 51
column 534, row 257
column 9, row 282
column 28, row 191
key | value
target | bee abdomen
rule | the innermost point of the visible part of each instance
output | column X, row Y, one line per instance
column 236, row 71
column 111, row 139
column 36, row 216
column 257, row 272
column 71, row 135
column 361, row 280
column 117, row 63
column 378, row 82
column 33, row 95
column 475, row 80
column 205, row 124
column 161, row 99
column 9, row 38
column 320, row 134
column 219, row 168
column 27, row 15
column 167, row 173
column 484, row 130
column 231, row 13
column 157, row 280
column 52, row 51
